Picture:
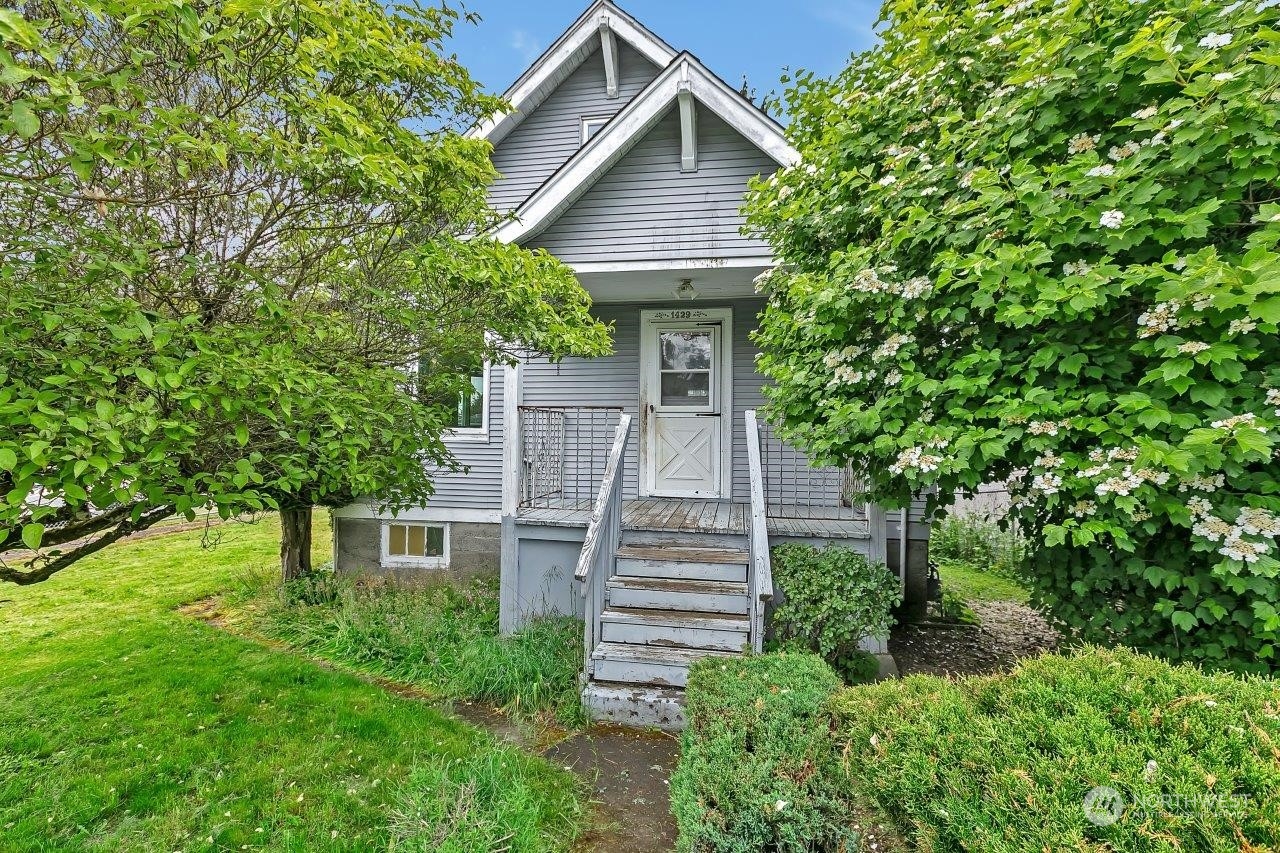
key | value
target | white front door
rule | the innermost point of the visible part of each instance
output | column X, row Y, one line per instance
column 684, row 400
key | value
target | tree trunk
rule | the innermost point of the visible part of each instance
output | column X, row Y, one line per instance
column 295, row 542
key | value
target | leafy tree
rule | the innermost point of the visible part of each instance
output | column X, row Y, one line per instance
column 1036, row 241
column 231, row 230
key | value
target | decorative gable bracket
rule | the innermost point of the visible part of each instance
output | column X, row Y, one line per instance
column 688, row 124
column 609, row 50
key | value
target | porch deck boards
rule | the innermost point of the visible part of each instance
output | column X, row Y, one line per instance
column 699, row 516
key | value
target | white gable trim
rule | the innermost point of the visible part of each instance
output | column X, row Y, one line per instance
column 618, row 137
column 602, row 21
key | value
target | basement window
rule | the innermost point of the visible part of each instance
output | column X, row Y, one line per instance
column 415, row 544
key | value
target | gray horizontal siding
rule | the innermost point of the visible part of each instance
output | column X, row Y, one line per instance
column 551, row 134
column 480, row 486
column 615, row 381
column 645, row 208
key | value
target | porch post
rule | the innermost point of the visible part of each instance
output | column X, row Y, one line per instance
column 508, row 597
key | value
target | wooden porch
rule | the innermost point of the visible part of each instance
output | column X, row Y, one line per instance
column 682, row 515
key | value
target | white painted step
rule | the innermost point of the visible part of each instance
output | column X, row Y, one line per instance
column 674, row 629
column 634, row 705
column 671, row 594
column 646, row 665
column 684, row 563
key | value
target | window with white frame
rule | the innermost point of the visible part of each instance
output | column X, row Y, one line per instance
column 415, row 543
column 592, row 126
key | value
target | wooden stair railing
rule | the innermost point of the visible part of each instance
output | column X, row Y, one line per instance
column 759, row 569
column 596, row 564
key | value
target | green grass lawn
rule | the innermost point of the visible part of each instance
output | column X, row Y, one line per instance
column 125, row 725
column 974, row 584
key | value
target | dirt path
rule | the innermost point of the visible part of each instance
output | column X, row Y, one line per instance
column 1009, row 631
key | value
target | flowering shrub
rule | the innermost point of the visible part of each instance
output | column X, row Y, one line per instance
column 1037, row 241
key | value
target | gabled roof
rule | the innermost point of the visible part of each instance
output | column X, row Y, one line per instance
column 684, row 73
column 563, row 57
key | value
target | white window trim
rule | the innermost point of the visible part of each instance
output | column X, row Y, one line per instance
column 583, row 139
column 480, row 433
column 403, row 562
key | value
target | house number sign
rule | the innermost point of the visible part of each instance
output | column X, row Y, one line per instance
column 681, row 314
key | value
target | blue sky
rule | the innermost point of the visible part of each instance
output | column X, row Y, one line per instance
column 751, row 37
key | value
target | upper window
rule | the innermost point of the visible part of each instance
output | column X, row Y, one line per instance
column 592, row 126
column 466, row 406
column 469, row 412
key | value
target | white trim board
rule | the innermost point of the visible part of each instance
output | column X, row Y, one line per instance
column 563, row 57
column 366, row 510
column 607, row 147
column 589, row 267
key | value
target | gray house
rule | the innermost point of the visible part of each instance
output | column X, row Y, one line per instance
column 639, row 491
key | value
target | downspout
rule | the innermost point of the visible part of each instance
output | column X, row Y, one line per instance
column 903, row 533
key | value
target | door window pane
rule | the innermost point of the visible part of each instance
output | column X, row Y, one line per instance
column 689, row 388
column 686, row 350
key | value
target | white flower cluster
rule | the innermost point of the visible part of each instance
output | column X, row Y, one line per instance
column 1192, row 347
column 1081, row 143
column 916, row 459
column 1241, row 327
column 835, row 358
column 1248, row 420
column 1213, row 41
column 1145, row 113
column 1125, row 151
column 869, row 280
column 1106, row 170
column 1084, row 509
column 1047, row 483
column 1047, row 427
column 1273, row 399
column 1250, row 521
column 1128, row 481
column 1162, row 318
column 1076, row 268
column 1111, row 218
column 1201, row 483
column 891, row 346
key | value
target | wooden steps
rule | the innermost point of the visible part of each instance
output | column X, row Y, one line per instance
column 675, row 598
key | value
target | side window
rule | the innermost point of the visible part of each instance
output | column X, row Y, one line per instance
column 590, row 127
column 469, row 413
column 413, row 543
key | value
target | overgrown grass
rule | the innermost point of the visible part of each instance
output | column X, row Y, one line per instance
column 972, row 584
column 977, row 542
column 125, row 725
column 441, row 638
column 978, row 561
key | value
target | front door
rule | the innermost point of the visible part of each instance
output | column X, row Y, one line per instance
column 684, row 404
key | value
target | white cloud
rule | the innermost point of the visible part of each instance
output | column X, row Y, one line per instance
column 525, row 45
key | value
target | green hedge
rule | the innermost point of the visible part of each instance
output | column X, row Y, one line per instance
column 757, row 758
column 1004, row 764
column 999, row 764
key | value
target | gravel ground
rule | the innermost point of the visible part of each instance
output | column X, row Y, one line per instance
column 1009, row 631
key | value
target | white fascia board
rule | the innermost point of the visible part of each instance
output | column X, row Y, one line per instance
column 562, row 57
column 628, row 126
column 676, row 264
column 366, row 509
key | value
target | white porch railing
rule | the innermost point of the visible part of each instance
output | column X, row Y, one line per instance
column 759, row 569
column 596, row 564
